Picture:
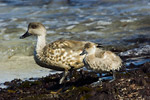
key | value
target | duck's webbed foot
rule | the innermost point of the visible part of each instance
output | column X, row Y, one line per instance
column 97, row 83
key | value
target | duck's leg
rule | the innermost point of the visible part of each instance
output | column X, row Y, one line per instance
column 99, row 82
column 114, row 76
column 65, row 73
column 70, row 73
column 100, row 79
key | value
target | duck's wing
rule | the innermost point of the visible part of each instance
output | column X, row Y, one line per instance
column 65, row 52
column 99, row 53
column 64, row 48
column 69, row 45
column 111, row 61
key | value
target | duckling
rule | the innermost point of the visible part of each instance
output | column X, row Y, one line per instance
column 100, row 60
column 60, row 55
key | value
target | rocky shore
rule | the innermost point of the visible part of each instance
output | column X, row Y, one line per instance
column 129, row 85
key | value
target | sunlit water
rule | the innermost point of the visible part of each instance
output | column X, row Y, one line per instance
column 119, row 24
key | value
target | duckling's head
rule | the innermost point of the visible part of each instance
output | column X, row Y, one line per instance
column 89, row 48
column 34, row 28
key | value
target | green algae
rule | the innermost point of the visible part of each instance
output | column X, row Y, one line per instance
column 11, row 91
column 41, row 97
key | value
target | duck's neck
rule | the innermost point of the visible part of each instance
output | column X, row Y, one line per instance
column 41, row 43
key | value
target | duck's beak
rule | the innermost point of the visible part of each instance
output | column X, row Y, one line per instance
column 83, row 52
column 25, row 35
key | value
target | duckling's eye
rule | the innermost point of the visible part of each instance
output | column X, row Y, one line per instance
column 34, row 26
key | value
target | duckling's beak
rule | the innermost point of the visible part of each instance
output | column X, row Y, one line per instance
column 83, row 52
column 25, row 35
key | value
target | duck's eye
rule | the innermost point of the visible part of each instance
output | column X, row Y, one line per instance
column 34, row 26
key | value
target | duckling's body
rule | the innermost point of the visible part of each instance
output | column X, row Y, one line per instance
column 100, row 60
column 103, row 61
column 61, row 55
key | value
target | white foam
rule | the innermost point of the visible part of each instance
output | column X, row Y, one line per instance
column 137, row 51
column 72, row 22
column 93, row 32
column 3, row 4
column 103, row 23
column 89, row 24
column 70, row 27
column 128, row 20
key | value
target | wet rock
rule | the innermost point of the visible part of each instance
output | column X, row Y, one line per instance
column 137, row 52
column 146, row 67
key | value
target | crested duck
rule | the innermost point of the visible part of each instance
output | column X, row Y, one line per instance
column 60, row 55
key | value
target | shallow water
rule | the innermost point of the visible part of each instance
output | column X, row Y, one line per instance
column 117, row 24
